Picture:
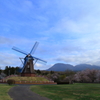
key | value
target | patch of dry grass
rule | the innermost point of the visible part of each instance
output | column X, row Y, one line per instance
column 18, row 78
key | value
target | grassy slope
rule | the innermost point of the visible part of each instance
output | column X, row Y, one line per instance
column 4, row 88
column 28, row 79
column 69, row 92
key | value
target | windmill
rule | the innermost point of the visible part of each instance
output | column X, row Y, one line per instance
column 29, row 61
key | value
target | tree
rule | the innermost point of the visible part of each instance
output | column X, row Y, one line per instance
column 6, row 70
column 98, row 76
column 55, row 77
column 11, row 70
column 38, row 71
column 86, row 76
column 69, row 79
column 0, row 71
column 51, row 72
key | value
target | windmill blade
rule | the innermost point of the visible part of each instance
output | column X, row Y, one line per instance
column 24, row 64
column 39, row 59
column 34, row 48
column 17, row 49
column 35, row 61
column 21, row 60
column 19, row 70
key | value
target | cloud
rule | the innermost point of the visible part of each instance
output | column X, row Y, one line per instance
column 76, row 18
column 86, row 25
column 5, row 40
column 42, row 66
column 88, row 57
column 8, row 59
column 21, row 6
column 67, row 31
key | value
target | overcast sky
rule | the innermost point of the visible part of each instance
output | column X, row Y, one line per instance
column 68, row 31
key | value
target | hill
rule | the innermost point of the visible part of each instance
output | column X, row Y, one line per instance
column 85, row 66
column 64, row 67
column 60, row 67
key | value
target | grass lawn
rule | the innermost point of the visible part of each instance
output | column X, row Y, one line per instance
column 4, row 88
column 77, row 91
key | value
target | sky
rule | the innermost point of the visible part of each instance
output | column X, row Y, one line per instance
column 68, row 31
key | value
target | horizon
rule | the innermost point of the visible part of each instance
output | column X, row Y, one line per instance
column 58, row 63
column 67, row 31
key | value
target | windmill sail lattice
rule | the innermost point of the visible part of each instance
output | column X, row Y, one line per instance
column 28, row 65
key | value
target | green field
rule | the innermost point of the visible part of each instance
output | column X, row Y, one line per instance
column 77, row 91
column 4, row 88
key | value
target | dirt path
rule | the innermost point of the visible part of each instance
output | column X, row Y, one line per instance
column 24, row 93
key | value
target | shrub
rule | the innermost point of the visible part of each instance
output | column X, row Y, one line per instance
column 61, row 82
column 11, row 81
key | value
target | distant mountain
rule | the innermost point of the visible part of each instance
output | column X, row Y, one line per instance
column 64, row 67
column 60, row 67
column 85, row 66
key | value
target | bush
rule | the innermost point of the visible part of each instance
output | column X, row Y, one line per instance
column 62, row 82
column 11, row 81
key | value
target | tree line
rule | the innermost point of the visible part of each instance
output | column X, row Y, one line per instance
column 10, row 70
column 84, row 76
